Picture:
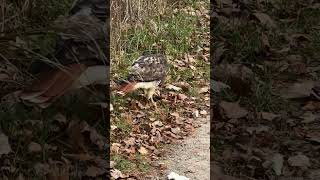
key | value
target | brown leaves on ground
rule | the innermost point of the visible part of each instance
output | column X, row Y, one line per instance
column 150, row 130
column 265, row 119
column 78, row 149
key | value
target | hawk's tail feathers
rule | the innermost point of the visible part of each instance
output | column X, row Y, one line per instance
column 126, row 87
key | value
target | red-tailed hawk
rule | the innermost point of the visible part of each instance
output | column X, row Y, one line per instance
column 147, row 73
column 80, row 57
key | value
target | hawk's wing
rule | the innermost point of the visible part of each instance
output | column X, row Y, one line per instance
column 148, row 68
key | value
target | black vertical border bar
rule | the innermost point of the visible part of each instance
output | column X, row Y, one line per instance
column 107, row 110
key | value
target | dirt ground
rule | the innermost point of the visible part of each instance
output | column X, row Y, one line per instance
column 191, row 157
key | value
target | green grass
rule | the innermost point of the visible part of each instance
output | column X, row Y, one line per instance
column 143, row 164
column 173, row 33
column 124, row 126
column 243, row 42
column 264, row 99
column 176, row 33
column 122, row 163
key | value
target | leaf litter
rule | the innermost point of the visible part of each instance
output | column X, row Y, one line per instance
column 265, row 101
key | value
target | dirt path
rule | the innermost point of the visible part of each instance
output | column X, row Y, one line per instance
column 192, row 157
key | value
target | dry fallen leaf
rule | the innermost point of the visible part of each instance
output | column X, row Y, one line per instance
column 113, row 127
column 314, row 136
column 157, row 123
column 184, row 85
column 277, row 163
column 182, row 96
column 116, row 174
column 309, row 117
column 265, row 19
column 299, row 160
column 204, row 90
column 115, row 147
column 298, row 90
column 195, row 113
column 233, row 110
column 112, row 164
column 111, row 107
column 131, row 141
column 175, row 114
column 175, row 130
column 239, row 77
column 93, row 171
column 218, row 86
column 5, row 147
column 268, row 116
column 143, row 151
column 203, row 112
column 34, row 147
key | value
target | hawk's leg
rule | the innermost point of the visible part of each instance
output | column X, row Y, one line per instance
column 150, row 94
column 145, row 92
